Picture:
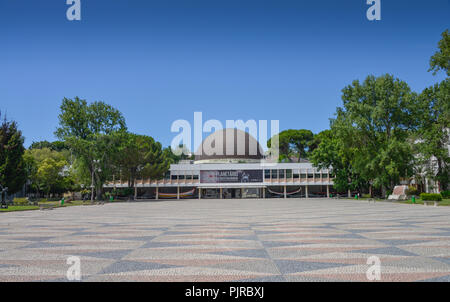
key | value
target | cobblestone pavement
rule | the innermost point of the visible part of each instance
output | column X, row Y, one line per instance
column 228, row 240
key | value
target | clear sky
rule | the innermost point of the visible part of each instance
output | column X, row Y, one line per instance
column 161, row 60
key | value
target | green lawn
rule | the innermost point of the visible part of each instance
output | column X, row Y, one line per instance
column 444, row 202
column 56, row 204
column 19, row 208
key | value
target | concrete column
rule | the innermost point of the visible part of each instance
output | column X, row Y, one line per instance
column 306, row 191
column 328, row 191
column 349, row 193
column 178, row 192
column 157, row 193
column 135, row 191
column 264, row 193
column 285, row 195
column 199, row 193
column 242, row 193
column 221, row 193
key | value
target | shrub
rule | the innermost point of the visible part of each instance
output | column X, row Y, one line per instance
column 412, row 191
column 125, row 192
column 445, row 194
column 431, row 196
column 20, row 201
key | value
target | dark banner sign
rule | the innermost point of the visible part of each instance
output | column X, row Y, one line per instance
column 231, row 176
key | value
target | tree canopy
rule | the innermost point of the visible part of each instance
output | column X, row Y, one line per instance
column 140, row 156
column 12, row 166
column 88, row 130
column 441, row 59
column 434, row 134
column 369, row 139
column 82, row 120
column 294, row 144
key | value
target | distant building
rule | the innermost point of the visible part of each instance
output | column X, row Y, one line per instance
column 230, row 163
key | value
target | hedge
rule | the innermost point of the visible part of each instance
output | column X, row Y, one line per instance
column 431, row 196
column 445, row 194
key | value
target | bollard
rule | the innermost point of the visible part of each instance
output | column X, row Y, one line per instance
column 62, row 201
column 413, row 199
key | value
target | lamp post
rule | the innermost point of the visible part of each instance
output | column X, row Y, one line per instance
column 3, row 191
column 94, row 169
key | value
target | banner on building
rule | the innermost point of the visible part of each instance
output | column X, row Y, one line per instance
column 231, row 176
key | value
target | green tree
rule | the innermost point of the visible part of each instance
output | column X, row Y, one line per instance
column 434, row 133
column 371, row 133
column 294, row 143
column 88, row 130
column 441, row 59
column 56, row 146
column 332, row 153
column 82, row 120
column 12, row 166
column 48, row 171
column 383, row 113
column 140, row 156
column 180, row 153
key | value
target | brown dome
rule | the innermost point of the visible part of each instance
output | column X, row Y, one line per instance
column 230, row 143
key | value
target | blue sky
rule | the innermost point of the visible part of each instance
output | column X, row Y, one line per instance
column 158, row 61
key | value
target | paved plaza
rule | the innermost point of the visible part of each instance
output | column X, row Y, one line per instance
column 228, row 240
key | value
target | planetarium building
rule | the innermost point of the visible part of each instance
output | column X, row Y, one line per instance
column 230, row 163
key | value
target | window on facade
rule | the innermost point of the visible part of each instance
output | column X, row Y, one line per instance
column 195, row 176
column 317, row 175
column 274, row 174
column 267, row 174
column 281, row 173
column 288, row 173
column 303, row 175
column 310, row 175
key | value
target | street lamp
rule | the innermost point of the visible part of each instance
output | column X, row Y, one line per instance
column 94, row 169
column 3, row 190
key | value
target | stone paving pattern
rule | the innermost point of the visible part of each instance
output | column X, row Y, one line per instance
column 228, row 240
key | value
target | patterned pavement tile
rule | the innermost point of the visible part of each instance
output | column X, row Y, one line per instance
column 117, row 254
column 391, row 250
column 130, row 266
column 290, row 266
column 253, row 253
column 271, row 240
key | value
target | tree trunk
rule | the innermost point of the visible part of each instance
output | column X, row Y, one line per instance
column 440, row 172
column 99, row 193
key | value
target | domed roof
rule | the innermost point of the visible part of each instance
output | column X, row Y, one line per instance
column 229, row 144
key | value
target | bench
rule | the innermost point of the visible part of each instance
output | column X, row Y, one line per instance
column 43, row 207
column 426, row 202
column 32, row 202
